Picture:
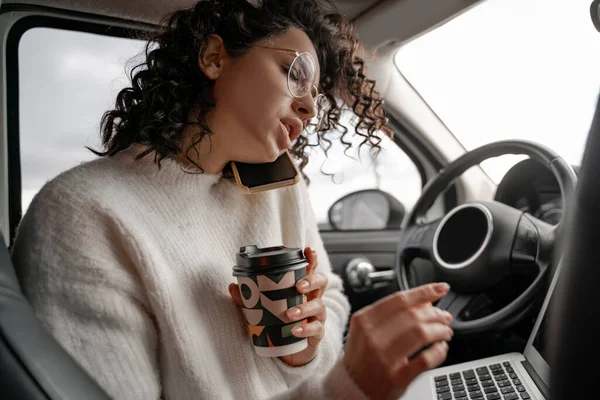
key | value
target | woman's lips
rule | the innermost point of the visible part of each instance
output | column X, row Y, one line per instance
column 293, row 127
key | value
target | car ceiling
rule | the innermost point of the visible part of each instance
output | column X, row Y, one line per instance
column 151, row 11
column 378, row 21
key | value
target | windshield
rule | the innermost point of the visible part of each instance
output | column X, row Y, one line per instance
column 507, row 69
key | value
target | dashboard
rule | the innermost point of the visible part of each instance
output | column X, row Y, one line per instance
column 531, row 187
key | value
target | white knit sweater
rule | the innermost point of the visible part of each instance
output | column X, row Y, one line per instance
column 128, row 267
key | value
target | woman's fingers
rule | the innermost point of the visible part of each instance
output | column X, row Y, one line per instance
column 313, row 285
column 311, row 257
column 385, row 334
column 415, row 328
column 414, row 317
column 234, row 291
column 430, row 358
column 433, row 314
column 417, row 337
column 402, row 300
column 314, row 329
column 314, row 308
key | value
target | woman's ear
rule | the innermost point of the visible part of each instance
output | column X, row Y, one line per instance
column 212, row 54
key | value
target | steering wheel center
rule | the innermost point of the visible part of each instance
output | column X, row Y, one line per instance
column 462, row 236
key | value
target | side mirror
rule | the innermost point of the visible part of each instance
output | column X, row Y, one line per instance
column 366, row 210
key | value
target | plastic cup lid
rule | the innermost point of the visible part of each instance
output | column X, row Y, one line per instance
column 253, row 259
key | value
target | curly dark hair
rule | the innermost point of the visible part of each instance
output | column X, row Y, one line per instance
column 165, row 87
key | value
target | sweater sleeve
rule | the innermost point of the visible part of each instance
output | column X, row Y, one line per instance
column 336, row 384
column 338, row 307
column 76, row 267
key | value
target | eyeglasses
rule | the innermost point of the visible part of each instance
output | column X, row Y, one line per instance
column 301, row 75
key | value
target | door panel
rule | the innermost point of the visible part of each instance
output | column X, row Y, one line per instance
column 378, row 248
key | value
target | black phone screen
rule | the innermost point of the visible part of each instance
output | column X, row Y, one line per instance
column 254, row 175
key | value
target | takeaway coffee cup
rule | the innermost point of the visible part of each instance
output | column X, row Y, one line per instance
column 267, row 280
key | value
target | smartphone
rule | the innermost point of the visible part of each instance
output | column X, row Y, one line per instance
column 254, row 178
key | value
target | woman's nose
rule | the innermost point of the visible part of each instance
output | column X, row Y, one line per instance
column 305, row 107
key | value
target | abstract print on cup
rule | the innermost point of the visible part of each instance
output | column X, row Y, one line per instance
column 266, row 299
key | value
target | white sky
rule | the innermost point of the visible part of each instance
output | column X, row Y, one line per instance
column 526, row 69
column 505, row 69
column 67, row 80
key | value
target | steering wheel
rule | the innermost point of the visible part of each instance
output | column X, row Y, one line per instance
column 478, row 244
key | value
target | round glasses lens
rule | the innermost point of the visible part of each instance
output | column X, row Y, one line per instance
column 302, row 75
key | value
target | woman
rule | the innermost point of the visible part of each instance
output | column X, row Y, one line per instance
column 127, row 260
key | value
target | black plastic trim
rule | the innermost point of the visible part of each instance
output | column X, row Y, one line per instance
column 65, row 14
column 361, row 241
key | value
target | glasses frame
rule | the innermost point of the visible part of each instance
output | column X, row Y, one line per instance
column 316, row 96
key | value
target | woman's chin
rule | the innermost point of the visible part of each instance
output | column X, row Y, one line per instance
column 278, row 152
column 267, row 158
column 275, row 157
column 272, row 153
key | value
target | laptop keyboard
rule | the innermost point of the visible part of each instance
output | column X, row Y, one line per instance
column 492, row 382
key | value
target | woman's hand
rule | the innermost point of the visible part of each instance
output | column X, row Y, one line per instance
column 385, row 334
column 313, row 285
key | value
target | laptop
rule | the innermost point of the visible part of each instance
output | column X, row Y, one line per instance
column 511, row 376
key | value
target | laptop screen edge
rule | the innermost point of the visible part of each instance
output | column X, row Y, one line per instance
column 532, row 355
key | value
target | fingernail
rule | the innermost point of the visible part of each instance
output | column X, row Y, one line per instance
column 448, row 315
column 442, row 287
column 294, row 312
column 303, row 284
column 297, row 330
column 445, row 345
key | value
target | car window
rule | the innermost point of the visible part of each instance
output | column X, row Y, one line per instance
column 67, row 80
column 346, row 171
column 511, row 69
